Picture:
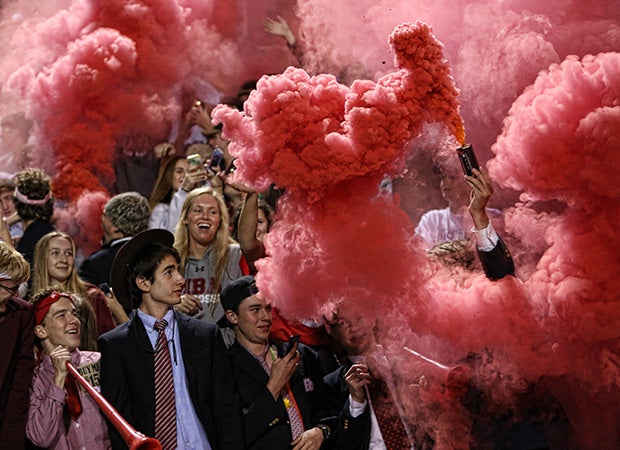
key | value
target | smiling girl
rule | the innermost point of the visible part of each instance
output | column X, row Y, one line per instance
column 210, row 258
column 54, row 266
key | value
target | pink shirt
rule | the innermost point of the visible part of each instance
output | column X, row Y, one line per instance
column 46, row 422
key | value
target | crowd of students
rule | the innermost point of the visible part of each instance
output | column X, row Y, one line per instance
column 167, row 322
column 235, row 383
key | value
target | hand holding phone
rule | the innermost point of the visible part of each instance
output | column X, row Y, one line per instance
column 193, row 161
column 292, row 343
column 216, row 159
column 468, row 159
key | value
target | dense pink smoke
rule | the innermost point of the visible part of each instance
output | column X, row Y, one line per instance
column 328, row 146
column 318, row 256
column 89, row 83
column 103, row 80
column 561, row 142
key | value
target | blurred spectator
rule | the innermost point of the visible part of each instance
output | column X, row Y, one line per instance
column 35, row 206
column 166, row 188
column 365, row 383
column 62, row 416
column 493, row 253
column 9, row 211
column 451, row 223
column 124, row 216
column 195, row 127
column 16, row 357
column 253, row 224
column 135, row 163
column 347, row 74
column 280, row 27
column 15, row 130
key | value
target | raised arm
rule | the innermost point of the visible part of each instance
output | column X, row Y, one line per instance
column 492, row 251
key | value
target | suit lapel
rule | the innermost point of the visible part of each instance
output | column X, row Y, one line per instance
column 186, row 335
column 244, row 361
column 144, row 349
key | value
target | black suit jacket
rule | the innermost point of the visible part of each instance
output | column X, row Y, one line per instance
column 33, row 234
column 128, row 383
column 97, row 267
column 16, row 366
column 265, row 420
column 353, row 433
column 497, row 263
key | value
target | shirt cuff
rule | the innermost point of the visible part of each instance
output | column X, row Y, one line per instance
column 356, row 408
column 486, row 239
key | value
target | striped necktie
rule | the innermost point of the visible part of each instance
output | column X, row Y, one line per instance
column 389, row 420
column 165, row 409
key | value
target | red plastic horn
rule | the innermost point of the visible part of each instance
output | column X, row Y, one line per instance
column 134, row 439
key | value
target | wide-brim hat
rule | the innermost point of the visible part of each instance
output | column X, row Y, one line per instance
column 126, row 256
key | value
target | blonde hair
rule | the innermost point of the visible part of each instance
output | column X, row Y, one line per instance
column 13, row 264
column 40, row 277
column 222, row 237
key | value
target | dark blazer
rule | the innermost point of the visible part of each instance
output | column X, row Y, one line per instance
column 96, row 268
column 265, row 420
column 33, row 234
column 497, row 263
column 16, row 366
column 128, row 383
column 353, row 433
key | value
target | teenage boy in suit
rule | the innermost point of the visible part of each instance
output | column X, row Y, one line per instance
column 146, row 276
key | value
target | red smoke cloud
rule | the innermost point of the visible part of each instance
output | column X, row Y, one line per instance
column 328, row 147
column 319, row 254
column 90, row 73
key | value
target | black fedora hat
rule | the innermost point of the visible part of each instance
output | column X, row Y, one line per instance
column 126, row 256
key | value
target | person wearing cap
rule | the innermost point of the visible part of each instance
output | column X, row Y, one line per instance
column 281, row 389
column 16, row 360
column 62, row 416
column 146, row 277
column 124, row 216
column 34, row 202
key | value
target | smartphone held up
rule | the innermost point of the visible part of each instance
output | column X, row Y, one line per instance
column 194, row 161
column 217, row 159
column 292, row 343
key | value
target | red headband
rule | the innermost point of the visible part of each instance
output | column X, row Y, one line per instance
column 43, row 306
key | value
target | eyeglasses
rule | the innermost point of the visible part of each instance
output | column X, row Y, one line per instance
column 10, row 290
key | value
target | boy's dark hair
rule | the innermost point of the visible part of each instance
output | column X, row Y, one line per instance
column 144, row 265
